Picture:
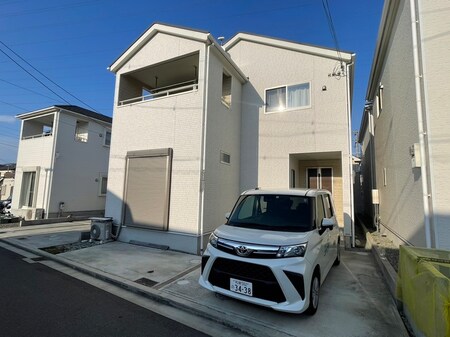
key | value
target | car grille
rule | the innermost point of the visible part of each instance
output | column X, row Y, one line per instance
column 254, row 251
column 265, row 285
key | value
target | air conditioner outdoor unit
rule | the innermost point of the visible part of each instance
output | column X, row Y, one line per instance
column 101, row 229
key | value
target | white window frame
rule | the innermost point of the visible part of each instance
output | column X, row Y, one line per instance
column 104, row 137
column 222, row 99
column 100, row 180
column 286, row 86
column 36, row 171
column 80, row 136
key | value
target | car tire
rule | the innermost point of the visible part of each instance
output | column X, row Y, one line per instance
column 314, row 291
column 338, row 256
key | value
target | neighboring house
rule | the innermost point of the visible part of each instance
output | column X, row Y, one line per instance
column 196, row 123
column 405, row 130
column 7, row 172
column 62, row 163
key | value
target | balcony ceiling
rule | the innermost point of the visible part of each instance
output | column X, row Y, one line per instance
column 168, row 73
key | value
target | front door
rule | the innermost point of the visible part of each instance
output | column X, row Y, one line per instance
column 320, row 177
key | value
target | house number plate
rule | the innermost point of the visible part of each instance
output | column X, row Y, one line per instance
column 241, row 287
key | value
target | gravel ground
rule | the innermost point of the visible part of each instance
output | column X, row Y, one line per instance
column 387, row 249
column 71, row 246
column 9, row 225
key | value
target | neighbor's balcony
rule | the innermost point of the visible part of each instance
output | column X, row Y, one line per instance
column 38, row 127
column 44, row 134
column 166, row 91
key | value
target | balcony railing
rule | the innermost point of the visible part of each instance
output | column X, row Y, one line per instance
column 44, row 134
column 164, row 92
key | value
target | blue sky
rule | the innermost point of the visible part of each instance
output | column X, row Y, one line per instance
column 74, row 41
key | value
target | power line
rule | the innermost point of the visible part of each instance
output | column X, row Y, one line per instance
column 67, row 92
column 19, row 65
column 23, row 88
column 329, row 18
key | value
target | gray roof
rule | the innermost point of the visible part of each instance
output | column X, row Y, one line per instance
column 85, row 112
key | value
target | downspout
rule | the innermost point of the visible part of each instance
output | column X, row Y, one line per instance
column 373, row 183
column 421, row 124
column 203, row 154
column 52, row 163
column 350, row 154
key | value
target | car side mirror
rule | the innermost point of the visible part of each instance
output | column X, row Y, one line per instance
column 227, row 215
column 327, row 223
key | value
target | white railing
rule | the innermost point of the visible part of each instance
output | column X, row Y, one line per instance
column 164, row 92
column 45, row 134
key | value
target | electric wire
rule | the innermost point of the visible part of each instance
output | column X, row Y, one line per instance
column 329, row 18
column 67, row 92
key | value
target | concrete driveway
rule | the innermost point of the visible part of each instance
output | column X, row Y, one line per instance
column 354, row 298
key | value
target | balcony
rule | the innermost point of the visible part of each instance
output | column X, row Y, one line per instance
column 165, row 79
column 38, row 127
column 169, row 90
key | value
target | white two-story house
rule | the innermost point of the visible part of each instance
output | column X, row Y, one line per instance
column 62, row 163
column 196, row 123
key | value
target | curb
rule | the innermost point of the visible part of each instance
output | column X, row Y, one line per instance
column 230, row 320
column 389, row 274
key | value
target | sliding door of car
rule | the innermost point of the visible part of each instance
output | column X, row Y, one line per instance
column 147, row 189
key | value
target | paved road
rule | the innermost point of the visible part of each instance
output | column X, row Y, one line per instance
column 38, row 301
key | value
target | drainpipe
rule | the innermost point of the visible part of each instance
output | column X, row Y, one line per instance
column 421, row 123
column 350, row 154
column 203, row 154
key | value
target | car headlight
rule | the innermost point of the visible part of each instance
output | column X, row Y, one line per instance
column 292, row 251
column 213, row 238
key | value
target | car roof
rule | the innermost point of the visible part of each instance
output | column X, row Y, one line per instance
column 309, row 192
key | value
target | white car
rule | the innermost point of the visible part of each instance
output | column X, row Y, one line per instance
column 275, row 250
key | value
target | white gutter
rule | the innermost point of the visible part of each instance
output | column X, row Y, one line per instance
column 350, row 155
column 421, row 125
column 203, row 154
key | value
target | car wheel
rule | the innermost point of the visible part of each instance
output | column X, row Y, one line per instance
column 338, row 255
column 314, row 291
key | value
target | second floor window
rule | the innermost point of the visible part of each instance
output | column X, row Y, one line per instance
column 226, row 90
column 81, row 131
column 288, row 97
column 107, row 138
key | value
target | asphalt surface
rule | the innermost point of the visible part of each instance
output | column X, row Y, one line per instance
column 38, row 301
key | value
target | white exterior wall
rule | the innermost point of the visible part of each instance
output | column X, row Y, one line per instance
column 172, row 122
column 322, row 128
column 78, row 166
column 396, row 129
column 222, row 134
column 33, row 155
column 435, row 42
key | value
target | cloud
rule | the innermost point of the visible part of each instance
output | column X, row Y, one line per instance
column 7, row 119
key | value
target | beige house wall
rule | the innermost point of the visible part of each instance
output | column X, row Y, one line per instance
column 323, row 127
column 435, row 43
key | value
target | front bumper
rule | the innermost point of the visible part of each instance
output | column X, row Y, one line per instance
column 280, row 283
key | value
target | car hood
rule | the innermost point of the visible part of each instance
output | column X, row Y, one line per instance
column 261, row 237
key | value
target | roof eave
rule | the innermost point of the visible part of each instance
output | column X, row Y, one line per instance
column 151, row 32
column 384, row 33
column 290, row 45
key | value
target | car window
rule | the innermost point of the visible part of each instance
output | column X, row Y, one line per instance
column 328, row 207
column 274, row 212
column 320, row 211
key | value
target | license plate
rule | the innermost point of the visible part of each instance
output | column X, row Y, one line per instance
column 241, row 287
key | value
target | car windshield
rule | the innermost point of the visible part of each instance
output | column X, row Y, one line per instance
column 273, row 212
